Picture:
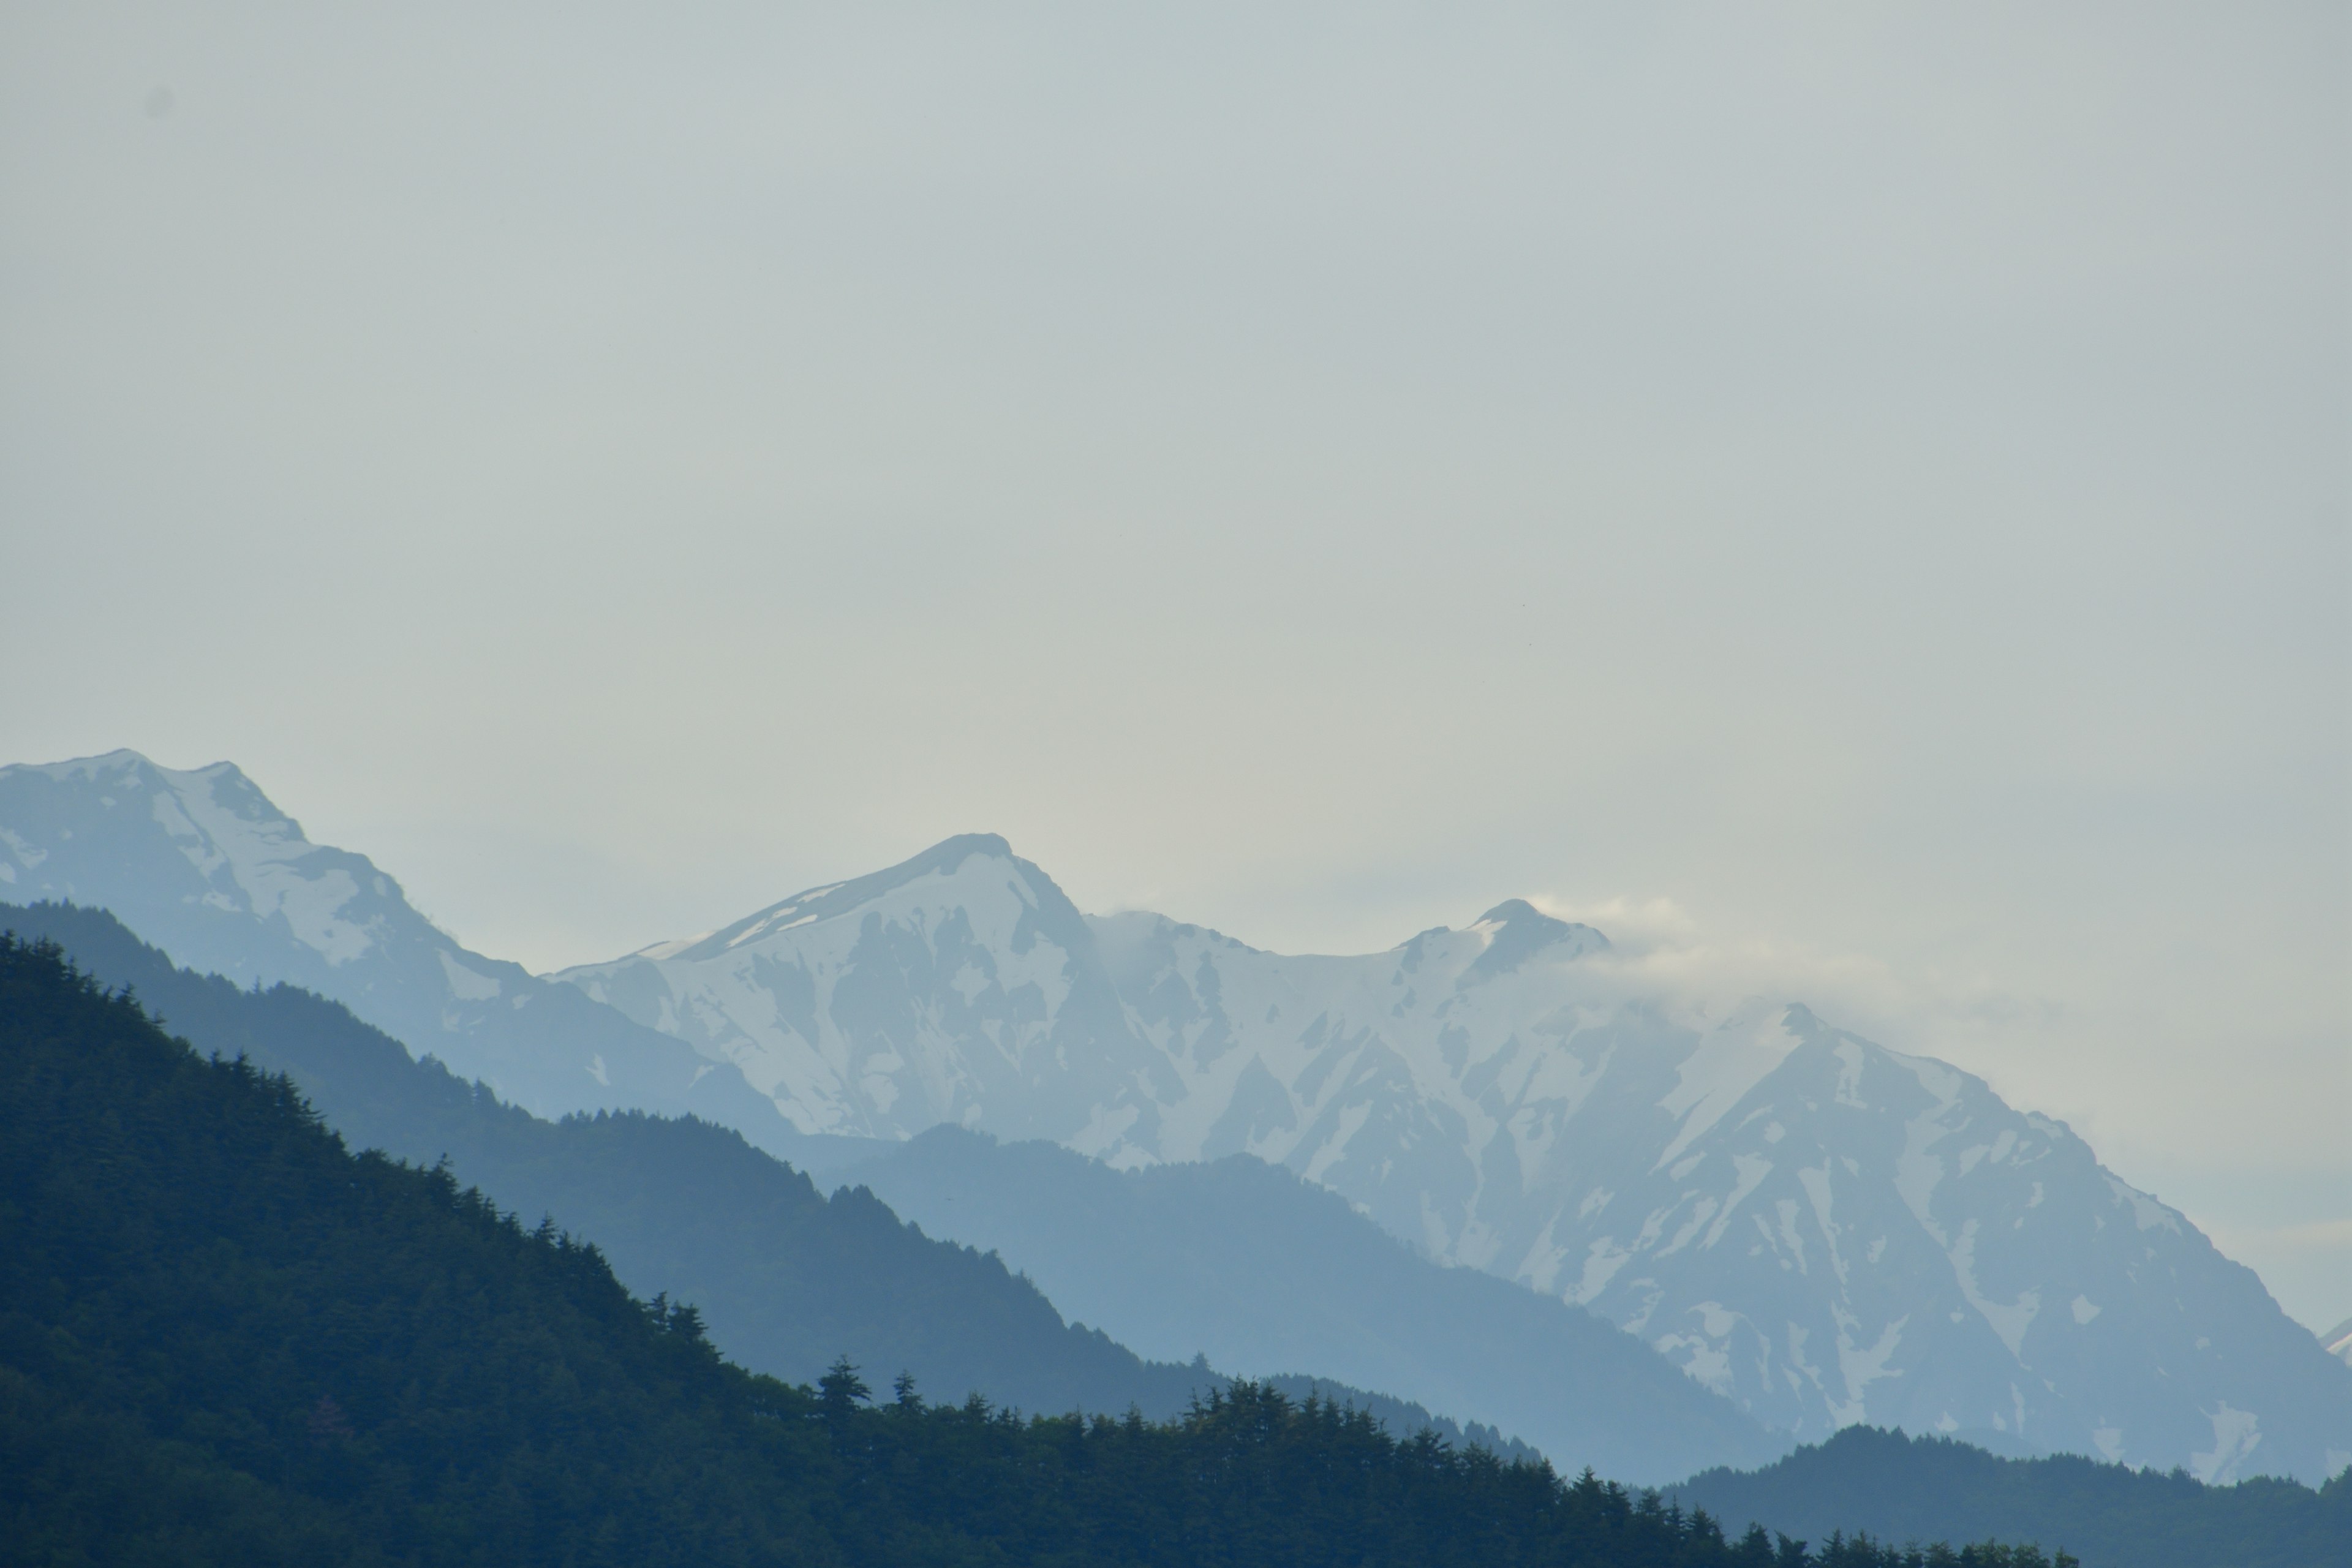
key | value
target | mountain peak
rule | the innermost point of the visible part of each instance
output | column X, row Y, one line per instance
column 951, row 852
column 834, row 899
column 1520, row 931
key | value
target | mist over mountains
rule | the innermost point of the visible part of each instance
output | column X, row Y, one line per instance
column 1819, row 1230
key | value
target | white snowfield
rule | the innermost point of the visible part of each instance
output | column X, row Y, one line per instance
column 1824, row 1231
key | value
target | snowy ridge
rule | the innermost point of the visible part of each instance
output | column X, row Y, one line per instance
column 242, row 854
column 962, row 987
column 1825, row 1231
column 199, row 862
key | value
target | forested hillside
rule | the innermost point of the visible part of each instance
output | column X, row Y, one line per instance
column 225, row 1339
column 1903, row 1488
column 785, row 1279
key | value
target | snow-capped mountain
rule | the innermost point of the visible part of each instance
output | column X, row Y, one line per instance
column 1825, row 1231
column 200, row 863
column 960, row 986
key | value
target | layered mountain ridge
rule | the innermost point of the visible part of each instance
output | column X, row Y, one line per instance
column 1262, row 1271
column 1825, row 1231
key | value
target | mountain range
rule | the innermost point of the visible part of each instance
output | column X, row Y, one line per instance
column 226, row 1338
column 262, row 1261
column 786, row 1280
column 1821, row 1230
column 1825, row 1231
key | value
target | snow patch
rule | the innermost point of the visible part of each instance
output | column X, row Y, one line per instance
column 1709, row 1364
column 2009, row 1320
column 2146, row 1212
column 1849, row 1083
column 1105, row 1129
column 1601, row 1265
column 1751, row 1172
column 1862, row 1367
column 467, row 986
column 1816, row 1185
column 1718, row 1074
column 2236, row 1434
column 1540, row 1264
column 1351, row 1121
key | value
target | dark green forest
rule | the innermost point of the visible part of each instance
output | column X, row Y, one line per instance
column 225, row 1339
column 786, row 1278
column 2108, row 1515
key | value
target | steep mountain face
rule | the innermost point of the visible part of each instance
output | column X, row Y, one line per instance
column 961, row 986
column 203, row 865
column 1825, row 1231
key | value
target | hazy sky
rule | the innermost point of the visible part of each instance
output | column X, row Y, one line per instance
column 1857, row 492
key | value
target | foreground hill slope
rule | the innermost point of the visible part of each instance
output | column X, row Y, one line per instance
column 1267, row 1272
column 225, row 1339
column 1901, row 1488
column 785, row 1279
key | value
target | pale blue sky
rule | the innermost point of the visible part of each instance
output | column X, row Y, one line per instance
column 1873, row 477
